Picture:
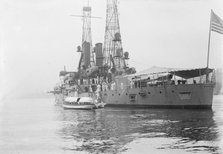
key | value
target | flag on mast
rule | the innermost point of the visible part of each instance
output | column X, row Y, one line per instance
column 216, row 23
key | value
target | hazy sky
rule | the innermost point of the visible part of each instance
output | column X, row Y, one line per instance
column 38, row 37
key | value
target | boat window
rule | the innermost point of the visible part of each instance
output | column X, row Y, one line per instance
column 132, row 97
column 143, row 84
column 81, row 81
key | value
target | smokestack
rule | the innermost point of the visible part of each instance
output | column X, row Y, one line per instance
column 99, row 55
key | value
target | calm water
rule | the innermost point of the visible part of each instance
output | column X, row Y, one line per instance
column 40, row 126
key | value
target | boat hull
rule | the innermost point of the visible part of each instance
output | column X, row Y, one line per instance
column 78, row 107
column 185, row 96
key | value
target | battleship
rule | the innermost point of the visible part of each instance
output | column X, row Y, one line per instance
column 104, row 69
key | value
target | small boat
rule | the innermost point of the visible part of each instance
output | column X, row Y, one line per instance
column 82, row 103
column 86, row 103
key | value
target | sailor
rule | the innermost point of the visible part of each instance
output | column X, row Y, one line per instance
column 98, row 91
column 109, row 77
column 90, row 88
column 93, row 81
column 194, row 81
column 81, row 81
column 113, row 86
column 139, row 83
column 109, row 86
column 98, row 88
column 122, row 86
column 98, row 79
column 75, row 91
column 131, row 84
column 104, row 86
column 86, row 89
column 98, row 97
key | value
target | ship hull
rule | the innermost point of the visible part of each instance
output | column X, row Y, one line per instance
column 185, row 96
column 147, row 106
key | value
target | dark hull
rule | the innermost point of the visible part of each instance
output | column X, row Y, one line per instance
column 188, row 96
column 141, row 106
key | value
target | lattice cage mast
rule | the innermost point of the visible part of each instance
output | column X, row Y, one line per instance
column 112, row 50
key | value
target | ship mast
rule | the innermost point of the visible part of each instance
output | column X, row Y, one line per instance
column 113, row 51
column 87, row 56
column 86, row 36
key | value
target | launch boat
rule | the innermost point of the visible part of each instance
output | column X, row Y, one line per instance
column 85, row 101
column 78, row 103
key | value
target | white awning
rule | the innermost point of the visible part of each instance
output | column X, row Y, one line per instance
column 181, row 72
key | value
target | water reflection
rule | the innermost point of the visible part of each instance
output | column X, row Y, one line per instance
column 110, row 129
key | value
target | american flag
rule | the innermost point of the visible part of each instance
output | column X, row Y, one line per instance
column 216, row 23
